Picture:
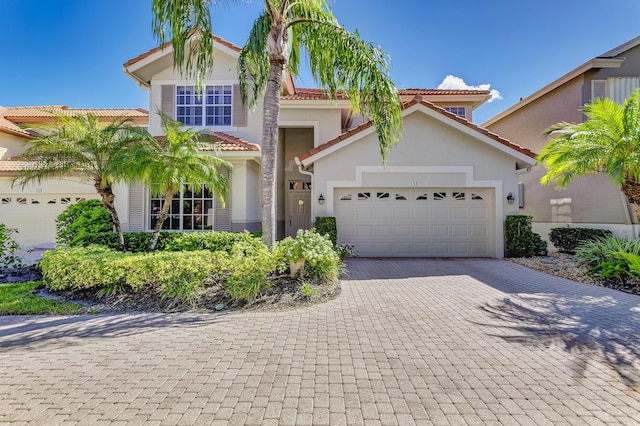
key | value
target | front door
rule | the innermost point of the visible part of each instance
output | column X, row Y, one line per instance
column 298, row 211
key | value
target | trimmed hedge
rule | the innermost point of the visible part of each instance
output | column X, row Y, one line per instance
column 326, row 225
column 566, row 240
column 520, row 240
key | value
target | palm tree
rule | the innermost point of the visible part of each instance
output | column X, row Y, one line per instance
column 175, row 162
column 608, row 141
column 84, row 147
column 183, row 21
column 339, row 62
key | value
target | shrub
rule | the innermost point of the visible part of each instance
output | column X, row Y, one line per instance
column 540, row 246
column 566, row 240
column 604, row 249
column 180, row 276
column 251, row 263
column 326, row 225
column 212, row 241
column 85, row 223
column 10, row 257
column 79, row 268
column 519, row 237
column 321, row 260
column 138, row 241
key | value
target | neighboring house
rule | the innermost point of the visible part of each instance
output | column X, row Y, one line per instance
column 443, row 191
column 33, row 209
column 591, row 201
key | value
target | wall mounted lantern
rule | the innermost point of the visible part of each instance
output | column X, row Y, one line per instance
column 510, row 198
column 321, row 199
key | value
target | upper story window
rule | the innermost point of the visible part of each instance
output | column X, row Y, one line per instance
column 212, row 109
column 459, row 111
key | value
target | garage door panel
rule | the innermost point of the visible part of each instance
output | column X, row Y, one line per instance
column 478, row 230
column 459, row 230
column 415, row 221
column 459, row 213
column 479, row 213
column 402, row 230
column 420, row 230
column 440, row 213
column 440, row 230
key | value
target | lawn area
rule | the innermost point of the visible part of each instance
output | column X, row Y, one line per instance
column 18, row 299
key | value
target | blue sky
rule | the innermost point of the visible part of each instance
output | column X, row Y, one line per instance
column 71, row 52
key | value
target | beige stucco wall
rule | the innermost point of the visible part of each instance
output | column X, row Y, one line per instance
column 224, row 72
column 592, row 199
column 327, row 121
column 11, row 146
column 429, row 154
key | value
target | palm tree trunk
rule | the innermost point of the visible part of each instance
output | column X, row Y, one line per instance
column 277, row 60
column 108, row 201
column 164, row 212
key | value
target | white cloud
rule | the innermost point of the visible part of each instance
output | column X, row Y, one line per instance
column 452, row 82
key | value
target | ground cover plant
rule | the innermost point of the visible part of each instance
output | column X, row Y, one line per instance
column 211, row 270
column 19, row 299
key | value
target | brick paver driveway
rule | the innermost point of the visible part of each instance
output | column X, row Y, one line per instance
column 408, row 341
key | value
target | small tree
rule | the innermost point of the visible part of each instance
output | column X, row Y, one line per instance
column 177, row 161
column 84, row 147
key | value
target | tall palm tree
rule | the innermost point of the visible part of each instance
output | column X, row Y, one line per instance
column 175, row 162
column 284, row 31
column 84, row 147
column 183, row 21
column 607, row 142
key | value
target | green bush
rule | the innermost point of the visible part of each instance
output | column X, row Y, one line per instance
column 9, row 249
column 180, row 276
column 85, row 223
column 138, row 241
column 326, row 225
column 604, row 249
column 566, row 240
column 321, row 260
column 540, row 246
column 251, row 264
column 519, row 236
column 212, row 241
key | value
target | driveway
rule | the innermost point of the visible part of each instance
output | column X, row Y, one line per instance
column 409, row 341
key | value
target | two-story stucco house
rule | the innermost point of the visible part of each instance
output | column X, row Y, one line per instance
column 445, row 190
column 591, row 201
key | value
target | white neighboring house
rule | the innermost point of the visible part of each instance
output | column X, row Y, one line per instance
column 443, row 192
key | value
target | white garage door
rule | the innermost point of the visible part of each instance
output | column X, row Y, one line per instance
column 34, row 215
column 416, row 221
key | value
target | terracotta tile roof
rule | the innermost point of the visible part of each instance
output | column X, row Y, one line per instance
column 227, row 143
column 305, row 94
column 12, row 128
column 15, row 165
column 15, row 114
column 436, row 92
column 167, row 44
column 321, row 94
column 418, row 100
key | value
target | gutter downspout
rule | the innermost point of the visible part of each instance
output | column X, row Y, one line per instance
column 310, row 174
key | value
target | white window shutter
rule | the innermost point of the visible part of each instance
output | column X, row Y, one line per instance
column 136, row 207
column 168, row 100
column 239, row 110
column 598, row 89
